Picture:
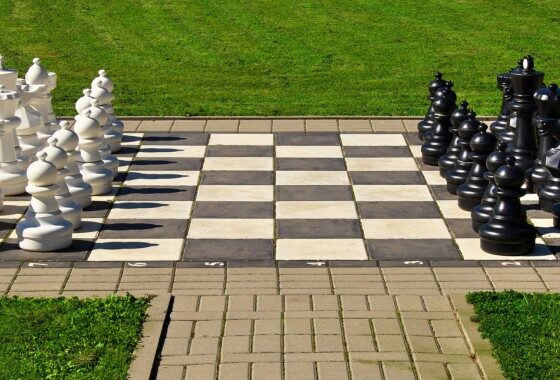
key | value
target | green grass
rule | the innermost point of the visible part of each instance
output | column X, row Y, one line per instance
column 42, row 338
column 279, row 57
column 524, row 330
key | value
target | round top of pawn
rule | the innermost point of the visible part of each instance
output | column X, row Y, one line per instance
column 67, row 139
column 85, row 101
column 36, row 74
column 101, row 93
column 443, row 104
column 436, row 83
column 497, row 158
column 55, row 155
column 106, row 82
column 86, row 127
column 460, row 114
column 97, row 112
column 509, row 176
column 548, row 101
column 450, row 92
column 7, row 94
column 42, row 172
column 468, row 128
column 483, row 142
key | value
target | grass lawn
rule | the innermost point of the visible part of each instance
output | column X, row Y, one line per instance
column 43, row 338
column 524, row 330
column 279, row 57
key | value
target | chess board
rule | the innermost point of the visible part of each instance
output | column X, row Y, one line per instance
column 357, row 199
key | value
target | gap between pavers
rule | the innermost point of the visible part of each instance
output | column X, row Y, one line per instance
column 480, row 348
column 144, row 360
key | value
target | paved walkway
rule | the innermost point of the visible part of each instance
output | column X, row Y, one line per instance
column 388, row 322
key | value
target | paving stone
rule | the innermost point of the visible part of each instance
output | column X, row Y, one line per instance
column 204, row 346
column 463, row 371
column 185, row 125
column 453, row 345
column 222, row 125
column 384, row 326
column 170, row 373
column 409, row 303
column 424, row 344
column 357, row 326
column 321, row 125
column 212, row 303
column 445, row 328
column 417, row 327
column 208, row 329
column 237, row 327
column 241, row 302
column 328, row 343
column 266, row 371
column 380, row 302
column 233, row 371
column 266, row 343
column 297, row 326
column 388, row 125
column 334, row 371
column 185, row 303
column 360, row 343
column 179, row 329
column 296, row 302
column 398, row 370
column 297, row 343
column 437, row 303
column 251, row 358
column 131, row 125
column 354, row 125
column 255, row 125
column 175, row 346
column 267, row 326
column 299, row 370
column 325, row 302
column 327, row 326
column 288, row 125
column 236, row 344
column 390, row 343
column 269, row 302
column 155, row 126
column 431, row 371
column 353, row 302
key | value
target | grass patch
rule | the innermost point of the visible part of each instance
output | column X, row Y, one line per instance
column 44, row 338
column 524, row 330
column 279, row 57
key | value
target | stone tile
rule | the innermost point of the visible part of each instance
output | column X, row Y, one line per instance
column 357, row 327
column 320, row 249
column 155, row 126
column 332, row 370
column 297, row 326
column 381, row 164
column 390, row 343
column 380, row 193
column 131, row 125
column 233, row 371
column 288, row 125
column 208, row 329
column 200, row 371
column 365, row 370
column 266, row 343
column 388, row 125
column 238, row 163
column 255, row 125
column 297, row 343
column 235, row 193
column 267, row 327
column 470, row 248
column 222, row 125
column 236, row 344
column 327, row 326
column 360, row 343
column 446, row 328
column 201, row 346
column 453, row 345
column 266, row 371
column 171, row 372
column 395, row 139
column 301, row 370
column 321, row 125
column 194, row 125
column 237, row 327
column 313, row 178
column 171, row 151
column 156, row 210
column 354, row 125
column 424, row 344
column 431, row 371
column 318, row 229
column 310, row 164
column 415, row 229
column 231, row 229
column 161, row 178
column 463, row 371
column 315, row 210
column 237, row 178
column 136, row 250
column 328, row 343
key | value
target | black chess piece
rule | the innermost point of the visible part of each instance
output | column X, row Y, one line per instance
column 481, row 213
column 470, row 193
column 439, row 136
column 446, row 162
column 508, row 231
column 426, row 124
column 458, row 174
column 501, row 124
column 525, row 81
column 556, row 215
column 548, row 110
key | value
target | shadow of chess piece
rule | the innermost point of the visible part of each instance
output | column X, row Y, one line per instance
column 460, row 171
column 471, row 192
column 426, row 124
column 481, row 213
column 501, row 124
column 439, row 136
column 548, row 112
column 508, row 231
column 446, row 162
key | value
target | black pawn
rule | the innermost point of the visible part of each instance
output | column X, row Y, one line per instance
column 548, row 112
column 501, row 123
column 481, row 213
column 447, row 162
column 458, row 175
column 508, row 232
column 426, row 124
column 471, row 192
column 556, row 215
column 439, row 135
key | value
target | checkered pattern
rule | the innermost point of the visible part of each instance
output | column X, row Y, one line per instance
column 263, row 197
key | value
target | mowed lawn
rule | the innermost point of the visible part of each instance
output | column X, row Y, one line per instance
column 279, row 57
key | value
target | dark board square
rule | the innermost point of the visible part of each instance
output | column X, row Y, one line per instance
column 145, row 228
column 216, row 177
column 313, row 193
column 97, row 209
column 76, row 252
column 441, row 194
column 246, row 210
column 318, row 228
column 412, row 249
column 300, row 138
column 156, row 193
column 175, row 139
column 332, row 164
column 461, row 228
column 239, row 151
column 412, row 138
column 228, row 249
column 398, row 210
column 161, row 164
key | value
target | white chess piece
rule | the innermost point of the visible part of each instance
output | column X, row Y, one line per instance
column 111, row 162
column 85, row 101
column 12, row 177
column 38, row 75
column 89, row 161
column 68, row 140
column 71, row 211
column 43, row 227
column 31, row 121
column 102, row 89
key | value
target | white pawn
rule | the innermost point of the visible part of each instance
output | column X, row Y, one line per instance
column 12, row 177
column 71, row 211
column 43, row 228
column 102, row 89
column 111, row 162
column 85, row 101
column 68, row 140
column 28, row 142
column 37, row 75
column 89, row 161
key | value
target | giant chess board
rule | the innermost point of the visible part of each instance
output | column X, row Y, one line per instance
column 266, row 198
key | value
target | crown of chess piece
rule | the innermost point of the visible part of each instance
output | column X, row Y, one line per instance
column 107, row 133
column 548, row 112
column 12, row 177
column 68, row 140
column 438, row 138
column 102, row 90
column 525, row 81
column 508, row 232
column 426, row 124
column 28, row 143
column 89, row 161
column 43, row 228
column 500, row 125
column 470, row 193
column 71, row 211
column 460, row 171
column 39, row 76
column 481, row 213
column 447, row 162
